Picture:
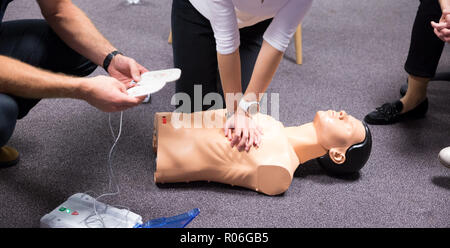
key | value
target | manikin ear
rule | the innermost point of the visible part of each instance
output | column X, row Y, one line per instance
column 337, row 155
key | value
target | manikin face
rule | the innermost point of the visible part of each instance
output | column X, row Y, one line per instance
column 337, row 131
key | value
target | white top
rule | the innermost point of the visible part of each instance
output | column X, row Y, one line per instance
column 228, row 16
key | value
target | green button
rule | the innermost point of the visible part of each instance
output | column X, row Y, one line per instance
column 62, row 209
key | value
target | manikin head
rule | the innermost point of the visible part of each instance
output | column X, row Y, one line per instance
column 347, row 140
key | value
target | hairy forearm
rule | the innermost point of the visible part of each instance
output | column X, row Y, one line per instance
column 445, row 4
column 230, row 75
column 20, row 79
column 76, row 30
column 265, row 67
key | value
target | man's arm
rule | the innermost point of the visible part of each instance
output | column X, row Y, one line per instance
column 73, row 26
column 76, row 29
column 104, row 93
column 16, row 75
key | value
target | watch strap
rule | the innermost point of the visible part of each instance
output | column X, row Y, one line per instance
column 244, row 105
column 109, row 58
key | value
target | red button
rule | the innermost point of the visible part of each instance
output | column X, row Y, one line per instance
column 164, row 120
column 75, row 213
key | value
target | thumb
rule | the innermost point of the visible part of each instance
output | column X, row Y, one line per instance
column 121, row 87
column 438, row 26
column 134, row 71
column 142, row 69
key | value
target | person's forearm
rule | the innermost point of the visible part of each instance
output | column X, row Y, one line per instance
column 77, row 30
column 230, row 75
column 445, row 4
column 20, row 79
column 265, row 67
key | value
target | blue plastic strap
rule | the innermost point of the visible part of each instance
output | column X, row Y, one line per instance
column 178, row 221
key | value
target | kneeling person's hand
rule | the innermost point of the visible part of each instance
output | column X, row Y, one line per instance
column 108, row 94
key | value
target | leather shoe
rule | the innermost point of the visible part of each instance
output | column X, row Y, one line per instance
column 389, row 113
column 8, row 156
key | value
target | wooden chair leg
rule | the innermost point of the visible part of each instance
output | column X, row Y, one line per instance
column 298, row 45
column 170, row 37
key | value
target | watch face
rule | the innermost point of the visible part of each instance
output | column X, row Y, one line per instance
column 253, row 109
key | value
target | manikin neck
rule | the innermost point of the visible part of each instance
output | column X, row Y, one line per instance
column 304, row 141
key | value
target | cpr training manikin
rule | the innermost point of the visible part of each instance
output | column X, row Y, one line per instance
column 191, row 152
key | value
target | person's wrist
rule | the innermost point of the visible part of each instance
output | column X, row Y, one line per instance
column 109, row 59
column 82, row 88
column 250, row 108
column 240, row 111
column 229, row 114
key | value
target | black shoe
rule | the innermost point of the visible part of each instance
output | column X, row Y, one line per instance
column 8, row 157
column 389, row 113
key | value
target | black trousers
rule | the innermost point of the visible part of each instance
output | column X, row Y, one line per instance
column 33, row 42
column 426, row 48
column 194, row 51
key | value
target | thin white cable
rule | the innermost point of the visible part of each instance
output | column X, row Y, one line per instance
column 112, row 181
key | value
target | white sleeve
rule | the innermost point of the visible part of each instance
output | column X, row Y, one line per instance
column 285, row 22
column 224, row 24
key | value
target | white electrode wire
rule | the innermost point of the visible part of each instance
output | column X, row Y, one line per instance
column 110, row 170
column 111, row 128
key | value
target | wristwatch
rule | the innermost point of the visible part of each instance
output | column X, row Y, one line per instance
column 109, row 58
column 228, row 114
column 248, row 107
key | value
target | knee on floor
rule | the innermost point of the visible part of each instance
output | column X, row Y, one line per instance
column 8, row 115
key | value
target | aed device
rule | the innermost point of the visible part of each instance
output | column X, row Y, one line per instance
column 78, row 212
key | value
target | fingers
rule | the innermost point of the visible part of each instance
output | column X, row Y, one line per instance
column 128, row 102
column 142, row 69
column 258, row 134
column 134, row 71
column 260, row 130
column 441, row 30
column 140, row 99
column 229, row 134
column 445, row 32
column 124, row 101
column 250, row 140
column 243, row 132
column 440, row 35
column 447, row 15
column 226, row 128
column 236, row 137
column 438, row 26
column 444, row 35
column 437, row 33
column 243, row 141
column 110, row 95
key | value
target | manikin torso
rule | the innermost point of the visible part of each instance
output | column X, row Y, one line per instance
column 204, row 154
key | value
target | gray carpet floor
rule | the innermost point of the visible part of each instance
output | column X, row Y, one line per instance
column 354, row 53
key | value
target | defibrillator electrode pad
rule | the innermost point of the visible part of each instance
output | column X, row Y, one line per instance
column 153, row 81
